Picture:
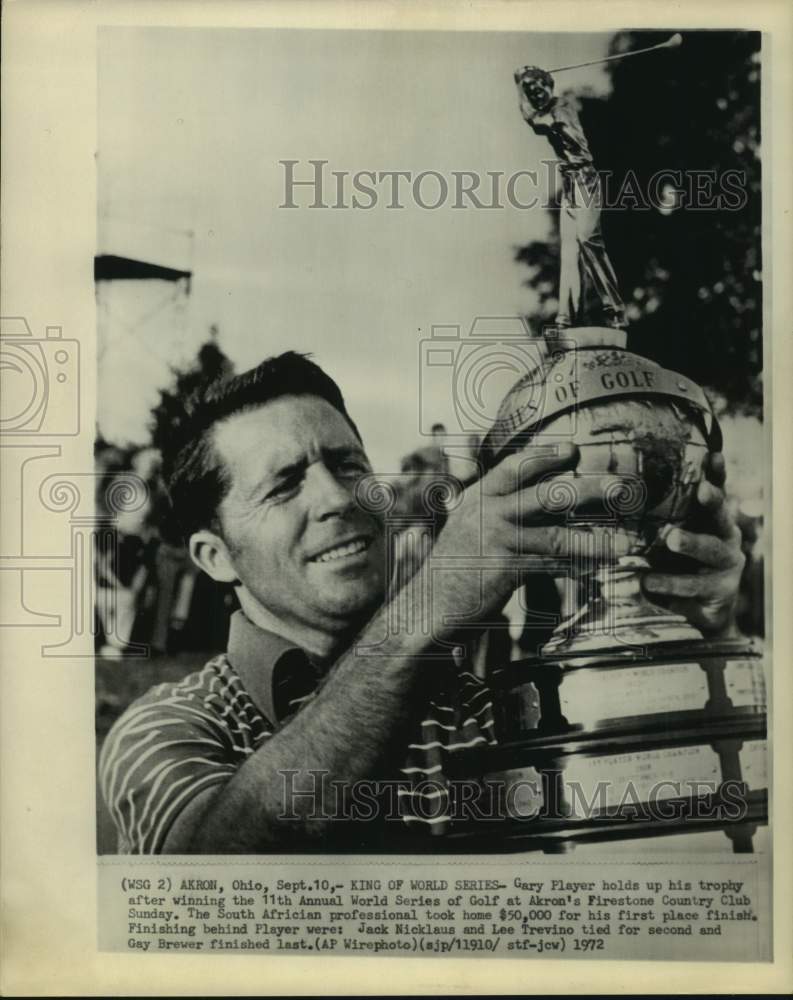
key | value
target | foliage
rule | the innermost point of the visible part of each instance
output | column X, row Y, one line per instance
column 210, row 364
column 168, row 416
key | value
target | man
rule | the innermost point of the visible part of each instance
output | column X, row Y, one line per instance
column 325, row 676
column 583, row 252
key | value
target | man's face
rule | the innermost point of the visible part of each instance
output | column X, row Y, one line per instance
column 537, row 91
column 301, row 547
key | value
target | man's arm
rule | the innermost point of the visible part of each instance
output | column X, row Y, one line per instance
column 526, row 108
column 351, row 728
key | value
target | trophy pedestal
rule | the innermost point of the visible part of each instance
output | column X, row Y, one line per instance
column 619, row 613
column 618, row 744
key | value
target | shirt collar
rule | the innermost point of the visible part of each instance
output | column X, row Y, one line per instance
column 274, row 670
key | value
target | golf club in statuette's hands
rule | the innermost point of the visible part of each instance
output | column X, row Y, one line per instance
column 629, row 704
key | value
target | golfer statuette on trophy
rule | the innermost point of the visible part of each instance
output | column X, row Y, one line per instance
column 630, row 722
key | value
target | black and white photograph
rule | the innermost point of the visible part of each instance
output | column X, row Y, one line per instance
column 424, row 567
column 336, row 382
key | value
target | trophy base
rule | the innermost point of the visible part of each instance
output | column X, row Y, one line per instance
column 627, row 744
column 619, row 614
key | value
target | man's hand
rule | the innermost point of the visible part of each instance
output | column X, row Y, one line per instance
column 706, row 596
column 503, row 526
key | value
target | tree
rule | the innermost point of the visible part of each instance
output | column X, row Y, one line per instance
column 211, row 363
column 690, row 275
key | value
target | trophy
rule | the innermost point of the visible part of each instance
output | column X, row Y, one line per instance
column 629, row 722
column 631, row 418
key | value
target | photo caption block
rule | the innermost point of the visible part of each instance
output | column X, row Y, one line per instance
column 698, row 911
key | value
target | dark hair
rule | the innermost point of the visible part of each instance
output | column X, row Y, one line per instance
column 194, row 474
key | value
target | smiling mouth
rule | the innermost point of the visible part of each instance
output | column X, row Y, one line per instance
column 345, row 551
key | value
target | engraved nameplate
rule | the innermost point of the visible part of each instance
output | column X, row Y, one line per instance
column 643, row 776
column 745, row 683
column 589, row 696
column 754, row 764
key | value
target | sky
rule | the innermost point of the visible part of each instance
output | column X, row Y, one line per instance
column 192, row 126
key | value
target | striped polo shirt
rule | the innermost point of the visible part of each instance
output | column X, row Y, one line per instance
column 182, row 738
